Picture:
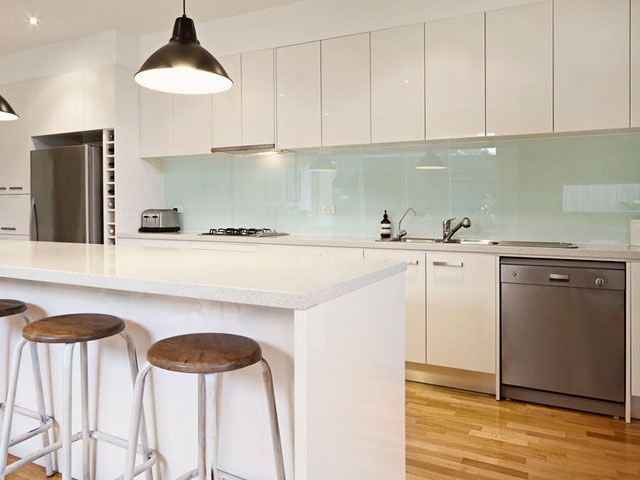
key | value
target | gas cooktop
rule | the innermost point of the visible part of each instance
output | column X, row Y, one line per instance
column 244, row 232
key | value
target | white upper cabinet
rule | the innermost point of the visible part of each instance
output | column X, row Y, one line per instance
column 520, row 69
column 15, row 144
column 298, row 96
column 397, row 84
column 98, row 98
column 56, row 104
column 346, row 90
column 591, row 42
column 258, row 104
column 227, row 107
column 461, row 311
column 455, row 77
column 156, row 123
column 635, row 63
column 192, row 124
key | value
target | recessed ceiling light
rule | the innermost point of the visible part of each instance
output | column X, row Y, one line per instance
column 33, row 20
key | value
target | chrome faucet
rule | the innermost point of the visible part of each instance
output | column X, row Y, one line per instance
column 403, row 233
column 448, row 231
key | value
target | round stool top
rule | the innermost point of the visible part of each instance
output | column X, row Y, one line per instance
column 11, row 307
column 73, row 328
column 204, row 353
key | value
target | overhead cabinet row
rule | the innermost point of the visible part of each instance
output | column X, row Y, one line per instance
column 545, row 67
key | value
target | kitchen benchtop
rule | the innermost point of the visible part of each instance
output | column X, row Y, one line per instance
column 587, row 251
column 237, row 277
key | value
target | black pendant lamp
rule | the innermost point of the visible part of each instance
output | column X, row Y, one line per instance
column 6, row 112
column 183, row 66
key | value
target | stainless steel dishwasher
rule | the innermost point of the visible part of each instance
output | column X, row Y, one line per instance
column 563, row 333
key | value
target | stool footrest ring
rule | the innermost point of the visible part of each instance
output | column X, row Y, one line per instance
column 95, row 435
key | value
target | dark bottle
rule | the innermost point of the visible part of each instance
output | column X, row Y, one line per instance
column 385, row 227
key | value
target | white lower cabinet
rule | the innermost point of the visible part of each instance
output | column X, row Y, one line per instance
column 14, row 214
column 415, row 300
column 461, row 311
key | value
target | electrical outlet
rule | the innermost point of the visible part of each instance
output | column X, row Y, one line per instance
column 328, row 209
column 179, row 208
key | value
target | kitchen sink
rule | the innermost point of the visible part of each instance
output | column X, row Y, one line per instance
column 504, row 243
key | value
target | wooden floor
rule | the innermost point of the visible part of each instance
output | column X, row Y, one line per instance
column 460, row 435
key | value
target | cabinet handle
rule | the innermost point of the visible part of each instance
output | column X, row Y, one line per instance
column 3, row 188
column 9, row 229
column 448, row 264
column 559, row 277
column 412, row 262
column 15, row 188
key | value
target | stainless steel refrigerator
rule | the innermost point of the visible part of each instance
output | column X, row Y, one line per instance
column 66, row 190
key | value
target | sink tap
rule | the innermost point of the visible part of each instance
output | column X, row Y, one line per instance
column 403, row 233
column 448, row 231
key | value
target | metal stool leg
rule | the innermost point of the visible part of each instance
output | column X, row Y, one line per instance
column 66, row 411
column 37, row 380
column 10, row 403
column 211, row 427
column 133, row 365
column 86, row 434
column 136, row 416
column 273, row 418
column 202, row 428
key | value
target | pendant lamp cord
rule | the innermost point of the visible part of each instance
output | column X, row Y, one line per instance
column 184, row 8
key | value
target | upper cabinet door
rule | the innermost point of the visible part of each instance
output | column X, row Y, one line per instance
column 520, row 70
column 258, row 105
column 15, row 144
column 227, row 107
column 346, row 90
column 156, row 123
column 298, row 96
column 397, row 84
column 635, row 63
column 591, row 42
column 57, row 104
column 99, row 98
column 192, row 124
column 455, row 77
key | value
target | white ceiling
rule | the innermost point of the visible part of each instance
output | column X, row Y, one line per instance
column 64, row 19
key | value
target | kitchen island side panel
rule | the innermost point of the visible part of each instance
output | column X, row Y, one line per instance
column 349, row 386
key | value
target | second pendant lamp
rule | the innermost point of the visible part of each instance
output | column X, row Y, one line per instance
column 183, row 66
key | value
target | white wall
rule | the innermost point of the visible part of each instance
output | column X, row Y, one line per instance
column 310, row 20
column 105, row 48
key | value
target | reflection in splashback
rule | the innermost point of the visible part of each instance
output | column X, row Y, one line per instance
column 582, row 189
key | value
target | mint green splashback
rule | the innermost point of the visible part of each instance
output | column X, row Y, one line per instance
column 582, row 189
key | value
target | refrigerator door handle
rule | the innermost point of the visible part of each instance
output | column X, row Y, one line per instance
column 34, row 219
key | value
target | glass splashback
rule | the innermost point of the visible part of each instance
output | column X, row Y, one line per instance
column 582, row 189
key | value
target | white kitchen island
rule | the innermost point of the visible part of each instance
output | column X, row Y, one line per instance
column 327, row 326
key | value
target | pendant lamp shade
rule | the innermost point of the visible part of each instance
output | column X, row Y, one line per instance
column 183, row 66
column 6, row 112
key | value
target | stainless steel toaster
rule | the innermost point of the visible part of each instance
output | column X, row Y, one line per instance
column 160, row 220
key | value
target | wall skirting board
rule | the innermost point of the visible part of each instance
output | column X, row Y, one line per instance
column 451, row 377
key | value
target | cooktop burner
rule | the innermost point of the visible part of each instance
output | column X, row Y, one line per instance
column 244, row 232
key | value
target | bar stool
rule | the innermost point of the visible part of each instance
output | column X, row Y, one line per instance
column 71, row 330
column 204, row 354
column 16, row 307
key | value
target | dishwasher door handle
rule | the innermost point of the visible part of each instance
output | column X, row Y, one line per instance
column 559, row 277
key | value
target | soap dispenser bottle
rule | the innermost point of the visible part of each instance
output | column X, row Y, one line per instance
column 385, row 227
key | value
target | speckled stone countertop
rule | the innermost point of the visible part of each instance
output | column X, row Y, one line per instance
column 588, row 252
column 238, row 277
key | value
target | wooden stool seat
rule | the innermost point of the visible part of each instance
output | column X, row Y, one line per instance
column 73, row 328
column 11, row 307
column 204, row 353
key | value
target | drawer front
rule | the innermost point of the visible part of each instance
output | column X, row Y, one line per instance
column 14, row 214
